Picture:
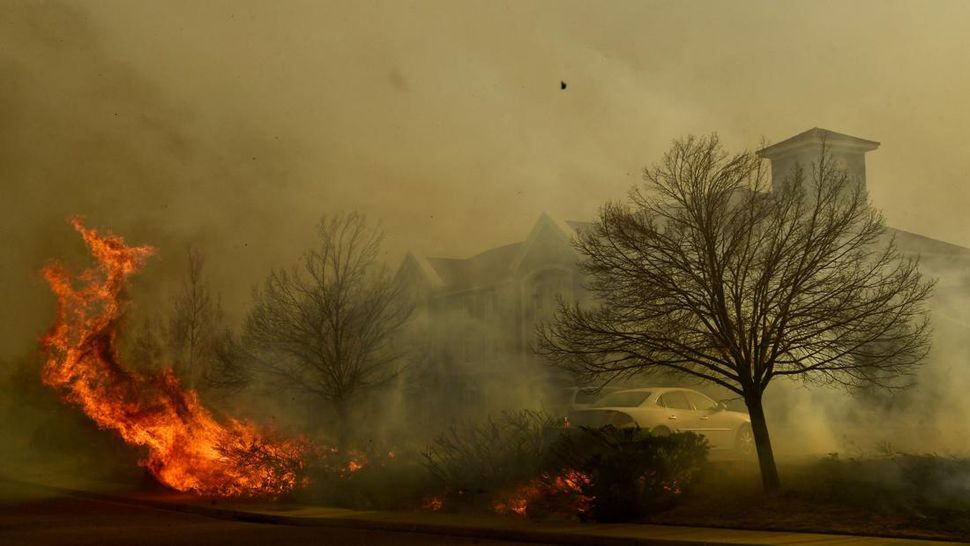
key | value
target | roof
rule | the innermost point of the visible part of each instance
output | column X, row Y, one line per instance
column 493, row 265
column 497, row 264
column 479, row 270
column 423, row 267
column 654, row 389
column 912, row 242
column 815, row 137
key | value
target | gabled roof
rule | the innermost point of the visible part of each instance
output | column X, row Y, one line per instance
column 489, row 267
column 495, row 265
column 479, row 270
column 815, row 137
column 422, row 268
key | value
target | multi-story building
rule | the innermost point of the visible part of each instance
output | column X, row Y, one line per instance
column 478, row 315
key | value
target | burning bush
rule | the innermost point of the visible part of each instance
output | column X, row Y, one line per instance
column 523, row 464
column 556, row 493
column 186, row 447
column 374, row 478
column 630, row 472
column 474, row 462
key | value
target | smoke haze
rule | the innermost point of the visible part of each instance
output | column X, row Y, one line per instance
column 233, row 125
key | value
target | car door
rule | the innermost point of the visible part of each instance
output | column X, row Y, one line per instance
column 677, row 411
column 710, row 420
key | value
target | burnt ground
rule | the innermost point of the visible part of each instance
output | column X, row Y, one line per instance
column 815, row 498
column 812, row 499
column 30, row 516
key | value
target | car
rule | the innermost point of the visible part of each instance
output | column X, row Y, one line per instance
column 662, row 410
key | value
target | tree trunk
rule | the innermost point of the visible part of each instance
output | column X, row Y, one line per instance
column 766, row 457
column 343, row 425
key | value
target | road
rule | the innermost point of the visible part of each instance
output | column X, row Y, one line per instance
column 34, row 517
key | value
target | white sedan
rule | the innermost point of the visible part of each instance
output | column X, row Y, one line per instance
column 663, row 410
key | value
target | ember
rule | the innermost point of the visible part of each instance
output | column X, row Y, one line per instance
column 558, row 493
column 187, row 448
column 434, row 504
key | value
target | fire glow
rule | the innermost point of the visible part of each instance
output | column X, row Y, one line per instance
column 187, row 448
column 565, row 490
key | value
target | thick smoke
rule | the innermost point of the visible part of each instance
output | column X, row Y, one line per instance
column 233, row 126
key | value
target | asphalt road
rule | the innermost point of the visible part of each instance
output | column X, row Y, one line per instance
column 34, row 517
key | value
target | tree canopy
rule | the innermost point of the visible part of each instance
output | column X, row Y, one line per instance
column 706, row 272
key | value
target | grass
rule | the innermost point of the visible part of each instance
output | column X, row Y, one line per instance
column 900, row 495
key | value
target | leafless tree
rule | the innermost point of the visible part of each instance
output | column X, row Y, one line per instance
column 707, row 273
column 328, row 327
column 189, row 324
column 145, row 347
column 201, row 346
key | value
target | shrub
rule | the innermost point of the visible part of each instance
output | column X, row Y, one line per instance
column 934, row 484
column 369, row 480
column 926, row 486
column 472, row 462
column 630, row 472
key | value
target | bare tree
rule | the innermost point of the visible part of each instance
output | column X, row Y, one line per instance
column 706, row 273
column 328, row 326
column 145, row 347
column 201, row 346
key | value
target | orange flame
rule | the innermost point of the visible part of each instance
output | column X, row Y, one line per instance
column 567, row 486
column 434, row 504
column 187, row 448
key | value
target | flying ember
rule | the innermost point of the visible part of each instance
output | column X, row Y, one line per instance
column 188, row 449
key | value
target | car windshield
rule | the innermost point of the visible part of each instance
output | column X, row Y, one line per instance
column 627, row 399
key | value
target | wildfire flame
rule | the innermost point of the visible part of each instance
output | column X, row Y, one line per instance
column 434, row 504
column 567, row 487
column 187, row 448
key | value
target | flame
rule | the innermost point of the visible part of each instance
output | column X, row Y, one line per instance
column 434, row 504
column 187, row 448
column 516, row 505
column 566, row 486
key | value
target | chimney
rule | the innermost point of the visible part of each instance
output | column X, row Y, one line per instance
column 848, row 152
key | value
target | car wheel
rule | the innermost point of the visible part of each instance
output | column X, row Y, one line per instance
column 660, row 431
column 744, row 441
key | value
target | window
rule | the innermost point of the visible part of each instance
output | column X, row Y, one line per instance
column 547, row 286
column 675, row 400
column 623, row 399
column 701, row 402
column 588, row 396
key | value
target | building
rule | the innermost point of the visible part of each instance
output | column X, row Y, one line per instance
column 937, row 257
column 478, row 315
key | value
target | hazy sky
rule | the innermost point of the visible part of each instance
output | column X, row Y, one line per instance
column 235, row 124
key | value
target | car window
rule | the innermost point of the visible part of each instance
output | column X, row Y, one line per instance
column 701, row 402
column 675, row 400
column 623, row 399
column 588, row 396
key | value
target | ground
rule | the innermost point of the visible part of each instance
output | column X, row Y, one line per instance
column 730, row 496
column 31, row 516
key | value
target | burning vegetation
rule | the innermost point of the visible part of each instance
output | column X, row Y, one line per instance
column 188, row 449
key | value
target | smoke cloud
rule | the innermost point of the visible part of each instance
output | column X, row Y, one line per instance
column 233, row 125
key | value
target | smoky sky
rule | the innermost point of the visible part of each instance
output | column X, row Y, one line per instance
column 233, row 125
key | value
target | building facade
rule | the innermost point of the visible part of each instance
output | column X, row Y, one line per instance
column 478, row 315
